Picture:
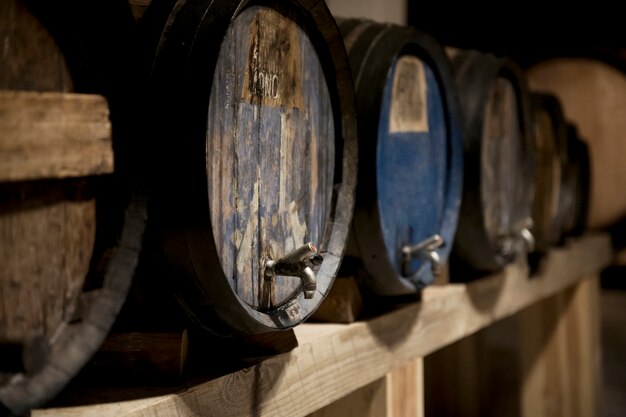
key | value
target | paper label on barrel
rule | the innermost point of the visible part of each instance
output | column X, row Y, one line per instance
column 273, row 75
column 409, row 111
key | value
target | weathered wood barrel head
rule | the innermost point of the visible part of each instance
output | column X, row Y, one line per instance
column 592, row 92
column 498, row 180
column 259, row 140
column 551, row 153
column 575, row 205
column 62, row 282
column 411, row 150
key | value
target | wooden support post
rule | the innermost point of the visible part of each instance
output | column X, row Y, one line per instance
column 454, row 379
column 405, row 390
column 560, row 354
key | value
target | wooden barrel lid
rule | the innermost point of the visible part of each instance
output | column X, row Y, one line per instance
column 260, row 138
column 61, row 282
column 575, row 204
column 592, row 91
column 551, row 145
column 499, row 153
column 410, row 146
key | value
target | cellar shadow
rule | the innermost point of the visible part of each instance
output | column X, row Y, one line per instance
column 245, row 392
column 483, row 289
column 392, row 320
column 217, row 376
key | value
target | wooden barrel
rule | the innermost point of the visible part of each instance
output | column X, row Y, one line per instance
column 575, row 204
column 593, row 94
column 411, row 155
column 63, row 277
column 550, row 135
column 256, row 142
column 498, row 180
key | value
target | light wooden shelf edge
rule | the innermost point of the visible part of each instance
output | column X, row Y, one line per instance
column 333, row 360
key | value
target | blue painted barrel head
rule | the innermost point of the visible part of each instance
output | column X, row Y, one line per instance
column 411, row 162
column 410, row 153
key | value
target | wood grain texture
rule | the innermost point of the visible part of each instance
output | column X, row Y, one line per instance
column 64, row 354
column 412, row 169
column 500, row 159
column 453, row 384
column 270, row 147
column 31, row 60
column 498, row 176
column 343, row 304
column 398, row 394
column 47, row 228
column 410, row 144
column 593, row 95
column 333, row 360
column 145, row 355
column 46, row 243
column 405, row 390
column 368, row 401
column 47, row 225
column 548, row 176
column 53, row 135
column 560, row 354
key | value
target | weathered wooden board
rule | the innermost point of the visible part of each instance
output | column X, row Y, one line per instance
column 333, row 360
column 31, row 59
column 53, row 135
column 500, row 151
column 498, row 186
column 46, row 244
column 270, row 143
column 549, row 140
column 49, row 141
column 268, row 158
column 560, row 354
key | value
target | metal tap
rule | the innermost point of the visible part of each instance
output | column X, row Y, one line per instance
column 298, row 263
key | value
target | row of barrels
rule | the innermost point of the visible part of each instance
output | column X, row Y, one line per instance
column 236, row 161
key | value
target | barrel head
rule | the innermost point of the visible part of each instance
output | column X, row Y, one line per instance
column 270, row 151
column 267, row 158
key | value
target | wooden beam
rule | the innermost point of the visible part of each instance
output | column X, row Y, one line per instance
column 560, row 354
column 368, row 401
column 53, row 135
column 405, row 390
column 333, row 360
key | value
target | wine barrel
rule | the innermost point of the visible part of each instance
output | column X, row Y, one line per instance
column 62, row 279
column 411, row 155
column 593, row 93
column 256, row 149
column 576, row 184
column 550, row 135
column 498, row 188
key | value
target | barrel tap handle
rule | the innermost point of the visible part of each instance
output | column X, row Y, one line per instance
column 298, row 263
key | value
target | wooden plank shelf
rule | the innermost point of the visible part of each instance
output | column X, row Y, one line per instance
column 334, row 360
column 53, row 135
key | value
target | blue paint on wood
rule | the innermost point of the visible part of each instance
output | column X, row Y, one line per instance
column 270, row 151
column 412, row 177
